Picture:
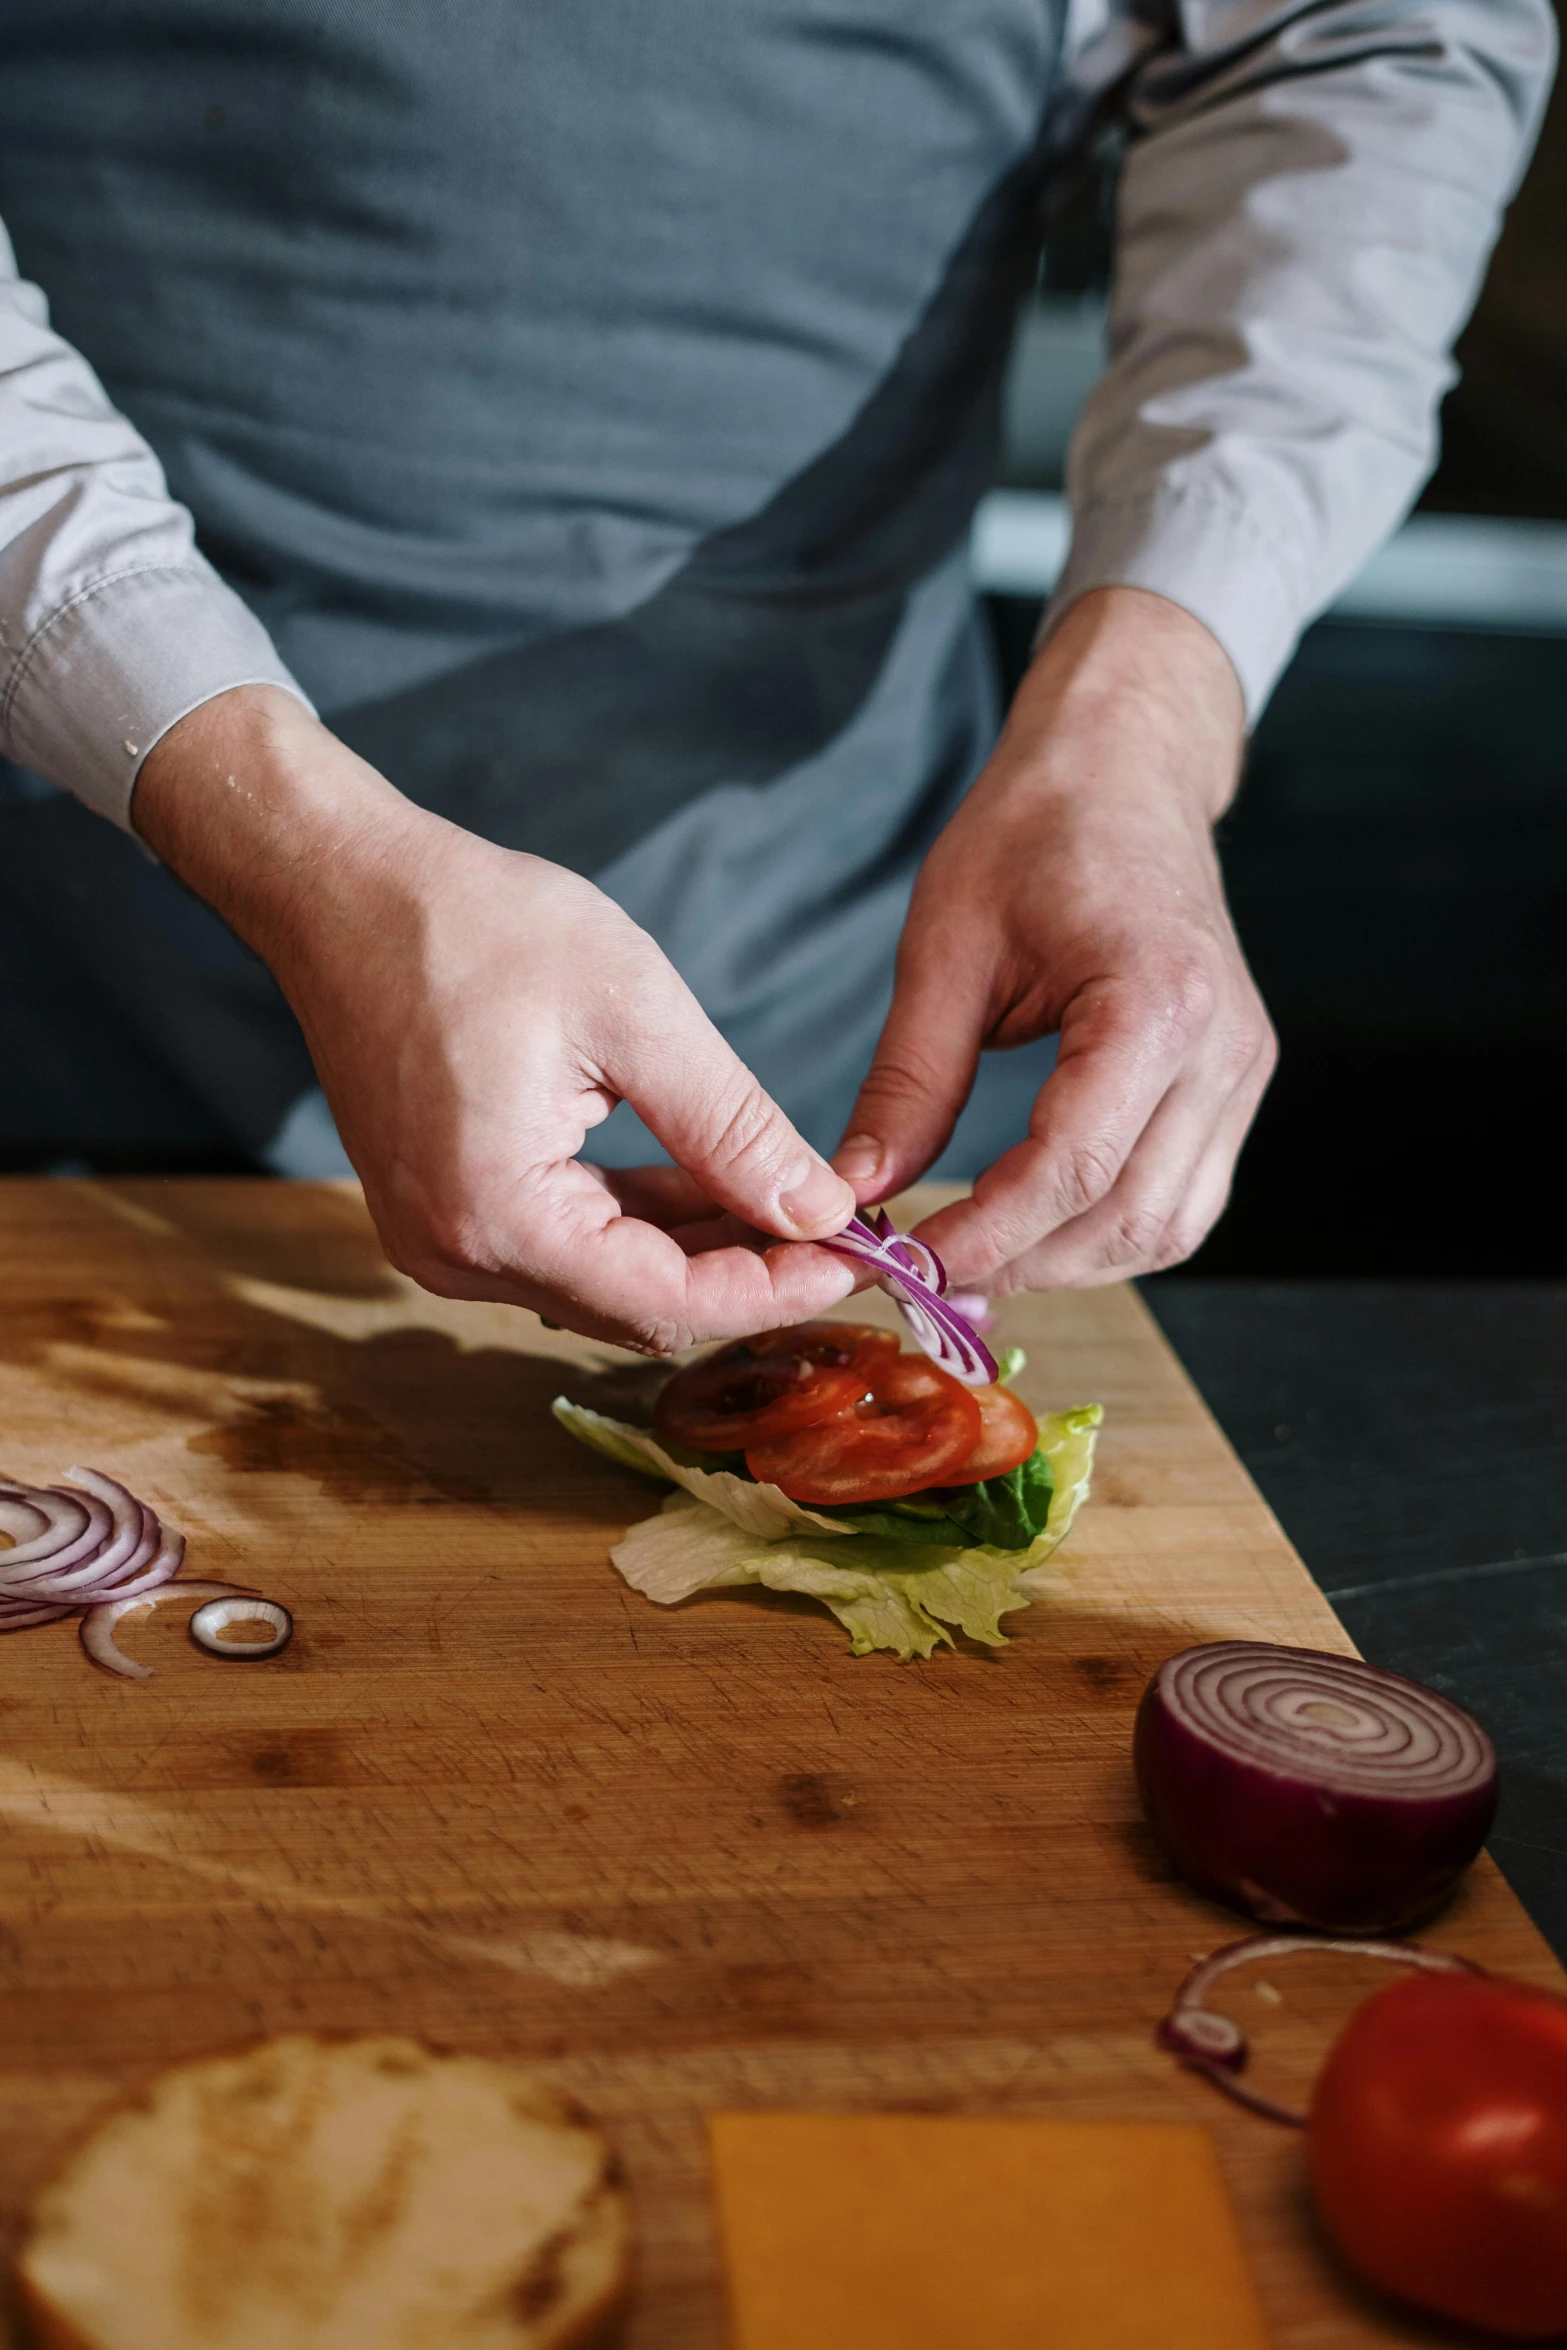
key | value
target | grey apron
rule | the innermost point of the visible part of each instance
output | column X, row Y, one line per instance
column 591, row 402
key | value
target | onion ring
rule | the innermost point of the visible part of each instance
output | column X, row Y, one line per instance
column 1215, row 2046
column 209, row 1622
column 916, row 1280
column 98, row 1624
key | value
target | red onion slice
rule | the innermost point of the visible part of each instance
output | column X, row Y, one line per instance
column 98, row 1624
column 92, row 1549
column 89, row 1548
column 76, row 1526
column 1215, row 2046
column 21, row 1519
column 1311, row 1789
column 210, row 1622
column 131, row 1540
column 915, row 1278
column 16, row 1615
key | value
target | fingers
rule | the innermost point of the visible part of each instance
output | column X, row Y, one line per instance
column 1124, row 1042
column 613, row 1276
column 672, row 1200
column 922, row 1074
column 1167, row 1195
column 716, row 1122
column 1131, row 1152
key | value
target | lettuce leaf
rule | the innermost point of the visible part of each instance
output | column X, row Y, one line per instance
column 919, row 1519
column 758, row 1509
column 888, row 1591
column 879, row 1594
column 1007, row 1512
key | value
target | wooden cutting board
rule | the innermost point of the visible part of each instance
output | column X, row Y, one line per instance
column 684, row 1859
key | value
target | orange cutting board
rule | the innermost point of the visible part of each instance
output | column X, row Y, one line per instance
column 687, row 1860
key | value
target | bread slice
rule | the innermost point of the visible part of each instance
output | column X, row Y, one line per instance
column 310, row 2194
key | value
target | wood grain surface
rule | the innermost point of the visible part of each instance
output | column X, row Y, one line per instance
column 681, row 1858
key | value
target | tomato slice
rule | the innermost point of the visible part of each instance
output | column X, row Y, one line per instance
column 913, row 1429
column 1008, row 1433
column 766, row 1386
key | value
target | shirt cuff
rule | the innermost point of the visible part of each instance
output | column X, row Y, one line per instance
column 118, row 664
column 1200, row 551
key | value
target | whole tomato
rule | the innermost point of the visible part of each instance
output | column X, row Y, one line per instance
column 1438, row 2149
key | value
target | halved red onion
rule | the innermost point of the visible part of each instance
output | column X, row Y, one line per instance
column 1215, row 2046
column 89, row 1549
column 1311, row 1789
column 915, row 1278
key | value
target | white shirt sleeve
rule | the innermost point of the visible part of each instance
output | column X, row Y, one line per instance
column 1308, row 200
column 112, row 626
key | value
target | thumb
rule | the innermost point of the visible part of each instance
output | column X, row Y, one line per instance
column 697, row 1095
column 920, row 1079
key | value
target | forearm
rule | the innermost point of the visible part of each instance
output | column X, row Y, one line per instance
column 112, row 625
column 1302, row 223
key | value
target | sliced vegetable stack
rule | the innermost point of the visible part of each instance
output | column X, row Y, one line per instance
column 822, row 1459
column 831, row 1412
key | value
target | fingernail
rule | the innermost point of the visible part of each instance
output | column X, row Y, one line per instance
column 820, row 1202
column 858, row 1158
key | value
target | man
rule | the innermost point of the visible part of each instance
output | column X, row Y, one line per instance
column 583, row 407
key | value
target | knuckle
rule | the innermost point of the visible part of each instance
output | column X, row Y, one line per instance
column 1182, row 1237
column 449, row 1239
column 659, row 1335
column 1248, row 1046
column 1237, row 1052
column 1136, row 1235
column 895, row 1080
column 434, row 1270
column 394, row 1248
column 1190, row 995
column 423, row 1249
column 748, row 1128
column 1087, row 1175
column 449, row 1242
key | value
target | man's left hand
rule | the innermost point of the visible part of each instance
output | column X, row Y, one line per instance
column 1077, row 889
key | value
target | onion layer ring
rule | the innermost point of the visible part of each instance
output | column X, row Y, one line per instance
column 99, row 1622
column 916, row 1279
column 1215, row 2046
column 208, row 1623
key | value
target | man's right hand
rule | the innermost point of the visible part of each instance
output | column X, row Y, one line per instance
column 472, row 1013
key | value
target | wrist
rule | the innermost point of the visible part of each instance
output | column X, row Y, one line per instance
column 1128, row 695
column 264, row 813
